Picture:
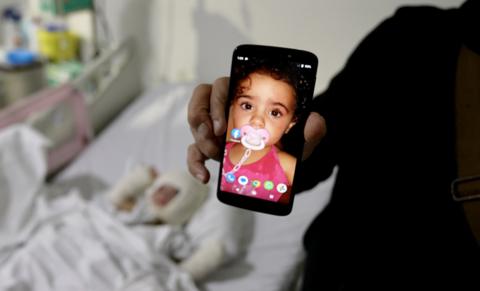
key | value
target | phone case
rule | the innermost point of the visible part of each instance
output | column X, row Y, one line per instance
column 269, row 96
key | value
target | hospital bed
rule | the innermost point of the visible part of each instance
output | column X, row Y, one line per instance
column 152, row 129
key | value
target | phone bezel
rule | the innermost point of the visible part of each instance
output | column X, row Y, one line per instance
column 244, row 201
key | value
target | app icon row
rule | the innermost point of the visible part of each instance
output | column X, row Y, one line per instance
column 268, row 185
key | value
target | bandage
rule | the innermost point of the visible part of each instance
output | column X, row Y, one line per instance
column 134, row 184
column 191, row 195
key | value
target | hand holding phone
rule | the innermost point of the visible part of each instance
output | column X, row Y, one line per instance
column 269, row 95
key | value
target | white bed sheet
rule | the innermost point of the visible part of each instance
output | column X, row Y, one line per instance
column 154, row 130
column 65, row 242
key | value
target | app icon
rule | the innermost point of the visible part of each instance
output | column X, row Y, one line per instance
column 230, row 177
column 281, row 188
column 242, row 180
column 235, row 133
column 268, row 185
column 256, row 183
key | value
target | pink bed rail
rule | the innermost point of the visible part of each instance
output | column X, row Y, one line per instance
column 45, row 100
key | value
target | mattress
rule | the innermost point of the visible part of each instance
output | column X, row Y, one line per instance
column 153, row 130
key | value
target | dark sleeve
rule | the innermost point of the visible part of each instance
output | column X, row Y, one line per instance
column 347, row 94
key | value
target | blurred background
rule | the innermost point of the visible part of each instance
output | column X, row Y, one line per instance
column 68, row 68
column 106, row 84
column 192, row 40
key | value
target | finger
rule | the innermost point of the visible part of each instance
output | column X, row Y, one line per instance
column 207, row 143
column 315, row 130
column 196, row 164
column 200, row 121
column 199, row 106
column 218, row 101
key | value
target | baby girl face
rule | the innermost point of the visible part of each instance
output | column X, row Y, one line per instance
column 263, row 102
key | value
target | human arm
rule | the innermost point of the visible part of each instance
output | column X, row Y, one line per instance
column 287, row 162
column 360, row 99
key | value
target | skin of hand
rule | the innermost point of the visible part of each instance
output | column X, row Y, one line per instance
column 206, row 117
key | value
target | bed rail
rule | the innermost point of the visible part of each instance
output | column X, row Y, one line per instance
column 71, row 114
column 109, row 83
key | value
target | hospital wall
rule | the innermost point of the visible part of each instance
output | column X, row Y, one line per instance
column 193, row 39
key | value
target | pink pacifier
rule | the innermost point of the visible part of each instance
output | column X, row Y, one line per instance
column 254, row 139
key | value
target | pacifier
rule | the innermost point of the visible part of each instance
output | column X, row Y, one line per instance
column 254, row 139
column 251, row 139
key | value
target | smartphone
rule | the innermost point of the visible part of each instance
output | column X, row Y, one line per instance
column 269, row 97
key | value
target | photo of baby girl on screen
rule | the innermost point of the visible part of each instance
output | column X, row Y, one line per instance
column 265, row 105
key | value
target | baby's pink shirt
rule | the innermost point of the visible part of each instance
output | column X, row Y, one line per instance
column 268, row 168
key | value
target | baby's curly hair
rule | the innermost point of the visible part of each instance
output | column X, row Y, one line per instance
column 287, row 72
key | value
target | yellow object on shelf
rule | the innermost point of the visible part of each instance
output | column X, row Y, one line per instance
column 58, row 45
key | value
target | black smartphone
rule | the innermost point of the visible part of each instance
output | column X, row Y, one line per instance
column 269, row 99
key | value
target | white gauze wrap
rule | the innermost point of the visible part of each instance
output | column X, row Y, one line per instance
column 131, row 185
column 191, row 195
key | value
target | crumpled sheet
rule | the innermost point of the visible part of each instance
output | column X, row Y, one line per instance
column 69, row 243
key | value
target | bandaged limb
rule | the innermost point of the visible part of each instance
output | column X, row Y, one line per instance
column 190, row 196
column 124, row 193
column 206, row 259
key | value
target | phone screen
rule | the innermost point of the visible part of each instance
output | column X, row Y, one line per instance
column 269, row 95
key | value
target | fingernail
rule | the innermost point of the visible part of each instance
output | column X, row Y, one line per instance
column 203, row 129
column 216, row 126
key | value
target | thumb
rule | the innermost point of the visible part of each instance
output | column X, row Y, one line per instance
column 217, row 105
column 315, row 130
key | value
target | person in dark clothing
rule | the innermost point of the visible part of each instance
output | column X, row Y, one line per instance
column 390, row 121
